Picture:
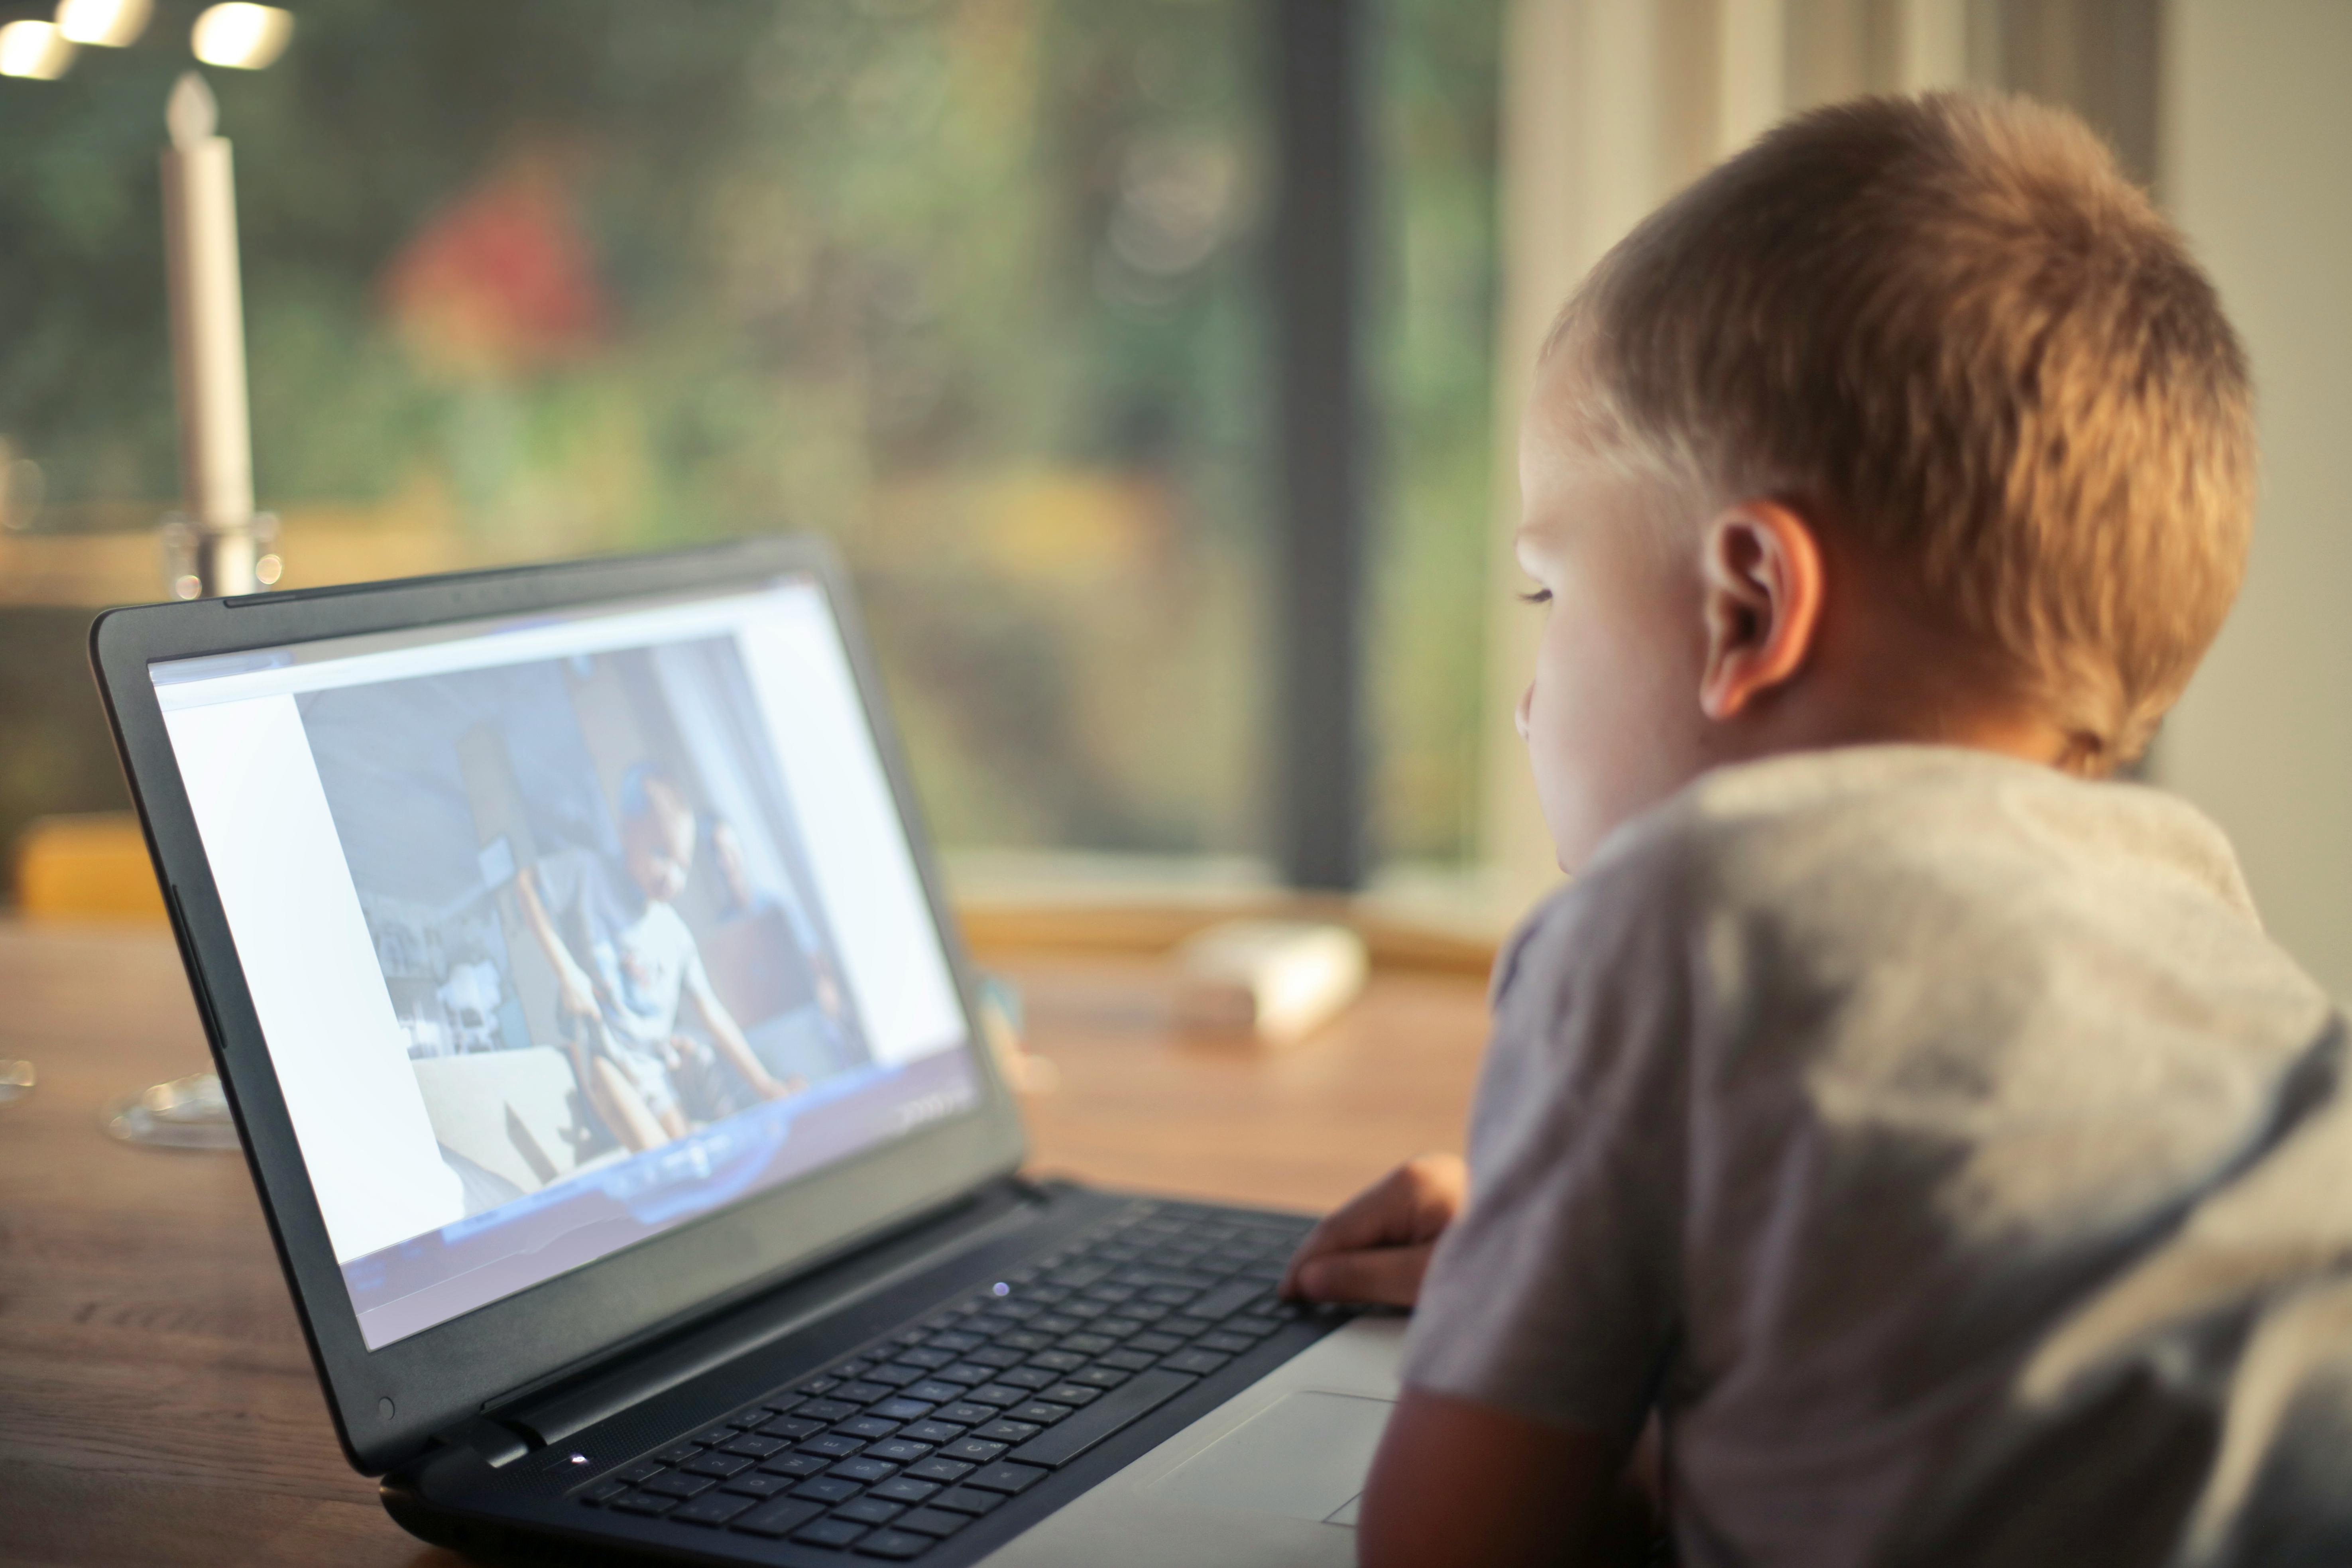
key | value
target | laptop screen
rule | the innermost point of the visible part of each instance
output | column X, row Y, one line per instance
column 565, row 931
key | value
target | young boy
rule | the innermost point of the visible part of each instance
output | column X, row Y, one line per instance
column 626, row 964
column 1923, row 1134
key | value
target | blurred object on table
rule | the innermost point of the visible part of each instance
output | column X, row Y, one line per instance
column 184, row 1113
column 17, row 1080
column 1275, row 981
column 87, row 867
column 1002, row 1020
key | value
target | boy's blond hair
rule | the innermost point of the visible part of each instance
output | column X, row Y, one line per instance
column 1950, row 329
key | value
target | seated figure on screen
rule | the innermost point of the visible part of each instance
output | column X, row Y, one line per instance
column 626, row 966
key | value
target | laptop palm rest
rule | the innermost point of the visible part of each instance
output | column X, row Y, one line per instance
column 1268, row 1480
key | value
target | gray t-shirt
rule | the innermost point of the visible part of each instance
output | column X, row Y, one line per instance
column 1939, row 1144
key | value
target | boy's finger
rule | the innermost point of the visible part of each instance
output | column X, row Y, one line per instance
column 1387, row 1276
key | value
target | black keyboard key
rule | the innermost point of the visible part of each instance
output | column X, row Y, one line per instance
column 931, row 1521
column 826, row 1410
column 775, row 1405
column 973, row 1449
column 678, row 1453
column 1252, row 1324
column 1038, row 1412
column 834, row 1445
column 998, row 1393
column 933, row 1432
column 894, row 1545
column 679, row 1485
column 795, row 1465
column 1226, row 1300
column 1058, row 1361
column 996, row 1356
column 818, row 1384
column 714, row 1510
column 963, row 1500
column 905, row 1488
column 1088, row 1344
column 779, row 1518
column 955, row 1342
column 1030, row 1377
column 1128, row 1361
column 756, row 1445
column 863, row 1391
column 759, row 1483
column 644, row 1502
column 1231, row 1344
column 935, row 1354
column 1024, row 1340
column 714, row 1437
column 643, row 1471
column 868, row 1427
column 720, row 1465
column 934, row 1392
column 969, row 1412
column 936, row 1468
column 1099, row 1377
column 964, row 1373
column 899, row 1450
column 1185, row 1326
column 1007, row 1431
column 1072, row 1393
column 902, row 1409
column 849, row 1369
column 1008, row 1478
column 1203, row 1361
column 1065, row 1440
column 1085, row 1312
column 835, row 1533
column 1058, row 1323
column 1117, row 1328
column 870, row 1511
column 863, row 1469
column 827, row 1489
column 895, row 1374
column 792, row 1428
column 603, row 1493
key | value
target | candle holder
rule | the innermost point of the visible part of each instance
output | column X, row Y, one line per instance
column 219, row 545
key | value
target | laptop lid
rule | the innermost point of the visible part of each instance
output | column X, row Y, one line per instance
column 570, row 947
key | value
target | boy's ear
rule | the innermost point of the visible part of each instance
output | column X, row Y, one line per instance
column 1761, row 590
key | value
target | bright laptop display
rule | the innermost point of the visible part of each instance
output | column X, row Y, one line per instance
column 565, row 931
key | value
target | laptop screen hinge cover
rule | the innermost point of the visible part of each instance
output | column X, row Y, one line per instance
column 495, row 1442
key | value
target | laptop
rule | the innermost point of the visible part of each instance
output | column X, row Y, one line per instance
column 604, row 1054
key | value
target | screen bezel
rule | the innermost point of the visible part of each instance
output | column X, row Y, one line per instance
column 436, row 1379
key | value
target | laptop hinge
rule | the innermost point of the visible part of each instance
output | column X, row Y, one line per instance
column 497, row 1443
column 552, row 1414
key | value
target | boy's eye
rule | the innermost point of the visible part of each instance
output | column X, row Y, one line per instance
column 1536, row 597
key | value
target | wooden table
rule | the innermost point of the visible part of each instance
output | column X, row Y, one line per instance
column 156, row 1404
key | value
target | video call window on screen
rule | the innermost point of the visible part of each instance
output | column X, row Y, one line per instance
column 565, row 932
column 582, row 875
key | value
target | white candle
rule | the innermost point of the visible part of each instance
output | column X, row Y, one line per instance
column 208, row 340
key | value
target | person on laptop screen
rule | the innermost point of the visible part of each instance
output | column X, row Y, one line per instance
column 626, row 966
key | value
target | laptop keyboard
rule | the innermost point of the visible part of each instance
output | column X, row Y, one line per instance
column 893, row 1451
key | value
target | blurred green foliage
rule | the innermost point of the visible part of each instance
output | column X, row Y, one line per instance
column 971, row 285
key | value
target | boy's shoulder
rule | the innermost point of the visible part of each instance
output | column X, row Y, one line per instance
column 1835, row 860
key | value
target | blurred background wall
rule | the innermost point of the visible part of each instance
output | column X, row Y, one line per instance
column 2257, row 131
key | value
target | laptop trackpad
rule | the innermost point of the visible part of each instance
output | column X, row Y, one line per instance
column 1304, row 1456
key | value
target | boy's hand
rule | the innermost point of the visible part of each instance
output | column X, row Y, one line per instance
column 1376, row 1246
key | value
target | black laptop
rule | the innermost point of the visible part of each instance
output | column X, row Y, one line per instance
column 604, row 1054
